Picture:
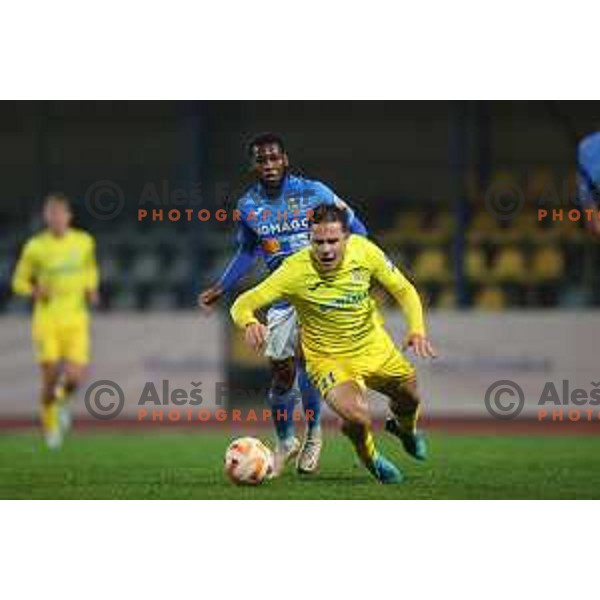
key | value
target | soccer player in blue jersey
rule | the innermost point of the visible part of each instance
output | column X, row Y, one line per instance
column 588, row 168
column 275, row 223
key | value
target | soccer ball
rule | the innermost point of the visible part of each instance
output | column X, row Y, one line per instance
column 248, row 461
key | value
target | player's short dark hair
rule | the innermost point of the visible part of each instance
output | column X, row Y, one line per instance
column 262, row 139
column 330, row 213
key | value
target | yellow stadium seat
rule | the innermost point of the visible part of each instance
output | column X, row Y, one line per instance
column 483, row 227
column 441, row 229
column 431, row 266
column 408, row 227
column 547, row 264
column 447, row 298
column 409, row 221
column 475, row 264
column 490, row 298
column 509, row 265
column 483, row 221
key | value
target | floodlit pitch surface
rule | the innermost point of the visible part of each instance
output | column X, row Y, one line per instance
column 188, row 464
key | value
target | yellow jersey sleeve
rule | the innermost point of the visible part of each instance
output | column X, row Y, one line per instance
column 397, row 285
column 23, row 278
column 91, row 266
column 276, row 286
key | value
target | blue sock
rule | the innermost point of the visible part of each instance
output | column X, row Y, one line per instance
column 311, row 398
column 282, row 406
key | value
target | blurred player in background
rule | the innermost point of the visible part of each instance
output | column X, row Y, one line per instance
column 588, row 167
column 343, row 339
column 281, row 204
column 57, row 268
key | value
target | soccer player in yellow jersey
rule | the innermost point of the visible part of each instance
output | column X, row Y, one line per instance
column 343, row 339
column 57, row 268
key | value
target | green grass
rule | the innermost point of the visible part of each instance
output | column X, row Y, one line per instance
column 176, row 464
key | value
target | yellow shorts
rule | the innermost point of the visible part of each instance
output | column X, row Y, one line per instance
column 53, row 342
column 381, row 365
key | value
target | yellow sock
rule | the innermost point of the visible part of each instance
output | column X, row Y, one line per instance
column 50, row 417
column 60, row 395
column 362, row 439
column 408, row 421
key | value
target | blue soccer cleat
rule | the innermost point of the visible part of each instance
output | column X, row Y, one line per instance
column 413, row 443
column 386, row 471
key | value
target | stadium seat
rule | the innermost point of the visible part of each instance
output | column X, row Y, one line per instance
column 110, row 271
column 124, row 300
column 547, row 264
column 180, row 272
column 439, row 229
column 490, row 298
column 483, row 228
column 475, row 265
column 431, row 266
column 446, row 298
column 407, row 228
column 546, row 271
column 509, row 266
column 145, row 269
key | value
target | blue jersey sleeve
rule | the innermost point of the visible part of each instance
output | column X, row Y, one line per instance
column 330, row 197
column 588, row 170
column 242, row 262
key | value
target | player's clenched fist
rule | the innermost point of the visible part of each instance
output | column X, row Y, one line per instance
column 40, row 293
column 208, row 297
column 420, row 345
column 256, row 336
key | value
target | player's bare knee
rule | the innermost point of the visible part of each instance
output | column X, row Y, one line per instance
column 283, row 373
column 74, row 376
column 347, row 400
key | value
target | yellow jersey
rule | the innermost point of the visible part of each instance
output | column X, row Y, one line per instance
column 335, row 310
column 66, row 266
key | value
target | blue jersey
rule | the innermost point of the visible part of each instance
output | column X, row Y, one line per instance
column 588, row 159
column 276, row 227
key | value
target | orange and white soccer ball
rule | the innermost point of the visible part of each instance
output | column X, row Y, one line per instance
column 248, row 461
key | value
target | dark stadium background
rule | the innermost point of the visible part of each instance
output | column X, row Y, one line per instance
column 421, row 174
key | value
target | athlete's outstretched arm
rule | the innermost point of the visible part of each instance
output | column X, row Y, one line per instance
column 406, row 296
column 238, row 267
column 588, row 182
column 23, row 278
column 91, row 274
column 274, row 287
column 356, row 225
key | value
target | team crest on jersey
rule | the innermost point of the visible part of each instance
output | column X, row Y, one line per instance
column 360, row 274
column 271, row 245
column 293, row 202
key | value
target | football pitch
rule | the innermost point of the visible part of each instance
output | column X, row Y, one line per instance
column 176, row 464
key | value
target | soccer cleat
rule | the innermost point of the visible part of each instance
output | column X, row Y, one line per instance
column 385, row 471
column 65, row 417
column 284, row 452
column 308, row 458
column 413, row 443
column 53, row 439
